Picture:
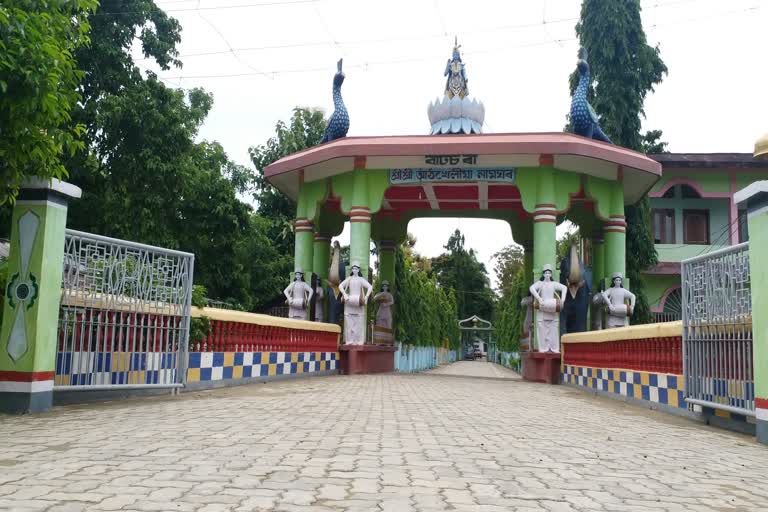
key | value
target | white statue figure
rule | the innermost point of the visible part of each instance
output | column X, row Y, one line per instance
column 319, row 305
column 527, row 340
column 355, row 291
column 615, row 297
column 386, row 301
column 298, row 294
column 549, row 297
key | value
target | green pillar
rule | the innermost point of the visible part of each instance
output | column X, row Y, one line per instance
column 31, row 299
column 360, row 224
column 321, row 255
column 544, row 223
column 598, row 260
column 387, row 262
column 755, row 197
column 303, row 251
column 615, row 229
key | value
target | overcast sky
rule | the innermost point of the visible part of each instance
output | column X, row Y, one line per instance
column 260, row 61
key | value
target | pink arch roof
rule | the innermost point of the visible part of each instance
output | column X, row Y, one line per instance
column 344, row 155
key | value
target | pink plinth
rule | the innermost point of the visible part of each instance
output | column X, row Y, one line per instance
column 360, row 359
column 541, row 367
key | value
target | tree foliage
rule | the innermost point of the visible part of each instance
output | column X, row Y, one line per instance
column 624, row 68
column 425, row 313
column 38, row 87
column 305, row 130
column 513, row 286
column 458, row 270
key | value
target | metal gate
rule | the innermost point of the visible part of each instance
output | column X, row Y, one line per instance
column 124, row 317
column 717, row 330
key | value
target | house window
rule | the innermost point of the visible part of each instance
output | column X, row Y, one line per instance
column 663, row 226
column 743, row 227
column 696, row 227
column 688, row 192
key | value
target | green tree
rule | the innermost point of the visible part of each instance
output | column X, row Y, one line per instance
column 624, row 68
column 458, row 270
column 38, row 82
column 425, row 313
column 304, row 131
column 508, row 262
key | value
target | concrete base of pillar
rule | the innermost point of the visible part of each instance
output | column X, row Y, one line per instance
column 761, row 431
column 541, row 367
column 362, row 359
column 25, row 403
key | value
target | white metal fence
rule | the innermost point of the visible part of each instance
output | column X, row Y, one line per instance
column 717, row 330
column 124, row 316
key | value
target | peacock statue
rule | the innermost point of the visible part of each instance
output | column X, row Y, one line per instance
column 338, row 124
column 583, row 117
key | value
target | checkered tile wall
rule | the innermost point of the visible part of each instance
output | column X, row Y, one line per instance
column 653, row 387
column 213, row 366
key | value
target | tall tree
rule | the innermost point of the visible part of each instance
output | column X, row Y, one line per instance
column 38, row 82
column 459, row 270
column 624, row 69
column 304, row 131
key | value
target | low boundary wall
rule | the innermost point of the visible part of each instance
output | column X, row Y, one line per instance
column 641, row 364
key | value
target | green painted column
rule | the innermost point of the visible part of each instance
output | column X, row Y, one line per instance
column 544, row 223
column 31, row 298
column 387, row 262
column 360, row 224
column 615, row 233
column 755, row 197
column 598, row 260
column 321, row 255
column 302, row 256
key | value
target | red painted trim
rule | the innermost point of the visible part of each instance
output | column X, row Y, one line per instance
column 544, row 220
column 360, row 162
column 545, row 205
column 761, row 403
column 359, row 220
column 620, row 173
column 546, row 159
column 11, row 376
column 659, row 355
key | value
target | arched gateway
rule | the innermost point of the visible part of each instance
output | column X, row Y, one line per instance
column 380, row 183
column 529, row 180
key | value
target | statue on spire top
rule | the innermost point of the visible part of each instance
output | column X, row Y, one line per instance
column 456, row 84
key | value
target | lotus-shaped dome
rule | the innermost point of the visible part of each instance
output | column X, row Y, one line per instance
column 456, row 115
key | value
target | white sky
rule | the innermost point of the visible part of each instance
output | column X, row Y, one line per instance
column 284, row 55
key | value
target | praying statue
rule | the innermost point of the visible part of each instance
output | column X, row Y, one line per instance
column 616, row 298
column 549, row 297
column 355, row 291
column 385, row 300
column 298, row 294
column 319, row 304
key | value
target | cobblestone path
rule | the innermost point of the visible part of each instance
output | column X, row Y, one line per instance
column 475, row 369
column 376, row 443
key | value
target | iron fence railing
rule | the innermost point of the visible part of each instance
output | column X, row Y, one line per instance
column 717, row 330
column 667, row 317
column 124, row 315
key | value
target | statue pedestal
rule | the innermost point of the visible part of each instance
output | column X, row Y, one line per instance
column 541, row 367
column 362, row 359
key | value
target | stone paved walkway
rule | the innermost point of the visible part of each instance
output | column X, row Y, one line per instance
column 475, row 369
column 376, row 443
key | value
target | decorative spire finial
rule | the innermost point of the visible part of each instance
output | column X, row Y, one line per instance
column 456, row 112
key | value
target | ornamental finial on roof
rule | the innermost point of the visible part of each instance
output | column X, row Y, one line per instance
column 456, row 112
column 456, row 84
